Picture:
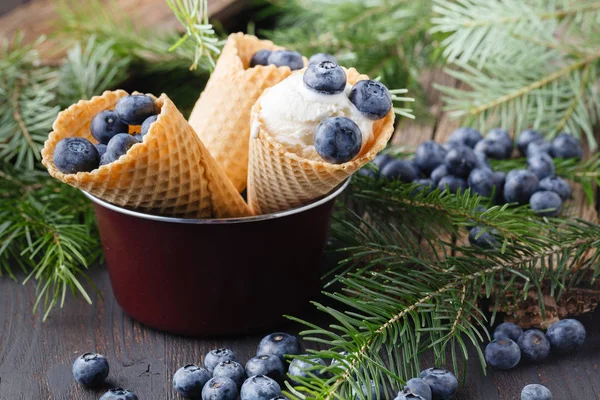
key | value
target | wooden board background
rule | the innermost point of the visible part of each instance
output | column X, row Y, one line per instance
column 36, row 357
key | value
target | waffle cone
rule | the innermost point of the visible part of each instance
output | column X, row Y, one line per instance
column 280, row 180
column 170, row 173
column 221, row 116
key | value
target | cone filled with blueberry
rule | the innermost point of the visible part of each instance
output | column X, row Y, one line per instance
column 139, row 152
column 246, row 67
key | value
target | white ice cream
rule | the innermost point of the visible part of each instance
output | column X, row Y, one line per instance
column 291, row 112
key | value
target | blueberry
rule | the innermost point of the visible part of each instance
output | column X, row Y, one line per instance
column 261, row 57
column 541, row 164
column 526, row 137
column 147, row 123
column 266, row 364
column 536, row 392
column 534, row 345
column 338, row 140
column 286, row 58
column 368, row 172
column 460, row 161
column 107, row 124
column 101, row 148
column 557, row 185
column 401, row 170
column 418, row 387
column 216, row 356
column 371, row 98
column 465, row 136
column 545, row 203
column 230, row 369
column 106, row 159
column 301, row 368
column 566, row 146
column 373, row 389
column 381, row 160
column 134, row 109
column 280, row 397
column 536, row 147
column 119, row 394
column 508, row 330
column 426, row 185
column 502, row 136
column 482, row 160
column 188, row 381
column 260, row 387
column 452, row 184
column 409, row 396
column 519, row 186
column 502, row 353
column 320, row 57
column 493, row 149
column 75, row 154
column 220, row 388
column 486, row 240
column 119, row 145
column 443, row 383
column 499, row 178
column 90, row 369
column 429, row 156
column 566, row 336
column 481, row 181
column 325, row 77
column 279, row 344
column 438, row 173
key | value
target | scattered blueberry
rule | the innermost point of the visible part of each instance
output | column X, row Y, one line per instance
column 217, row 356
column 566, row 336
column 301, row 368
column 536, row 392
column 119, row 145
column 260, row 387
column 134, row 109
column 418, row 387
column 502, row 136
column 266, row 364
column 401, row 170
column 381, row 160
column 443, row 383
column 119, row 394
column 232, row 370
column 146, row 124
column 280, row 397
column 286, row 58
column 493, row 149
column 373, row 389
column 90, row 369
column 482, row 160
column 485, row 240
column 452, row 184
column 460, row 161
column 541, row 164
column 409, row 396
column 526, row 137
column 261, row 57
column 75, row 154
column 557, row 185
column 188, row 381
column 107, row 124
column 438, row 173
column 519, row 186
column 426, row 185
column 499, row 178
column 502, row 353
column 429, row 156
column 545, row 203
column 338, row 140
column 368, row 172
column 220, row 388
column 508, row 330
column 534, row 345
column 325, row 77
column 320, row 57
column 101, row 148
column 566, row 146
column 465, row 136
column 279, row 344
column 537, row 146
column 481, row 181
column 371, row 98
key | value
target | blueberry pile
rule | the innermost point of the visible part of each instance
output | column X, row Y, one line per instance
column 287, row 58
column 111, row 129
column 511, row 344
column 339, row 139
column 433, row 384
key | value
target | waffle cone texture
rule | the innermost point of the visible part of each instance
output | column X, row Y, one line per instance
column 279, row 180
column 170, row 173
column 221, row 116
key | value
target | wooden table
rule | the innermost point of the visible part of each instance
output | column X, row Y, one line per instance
column 36, row 357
